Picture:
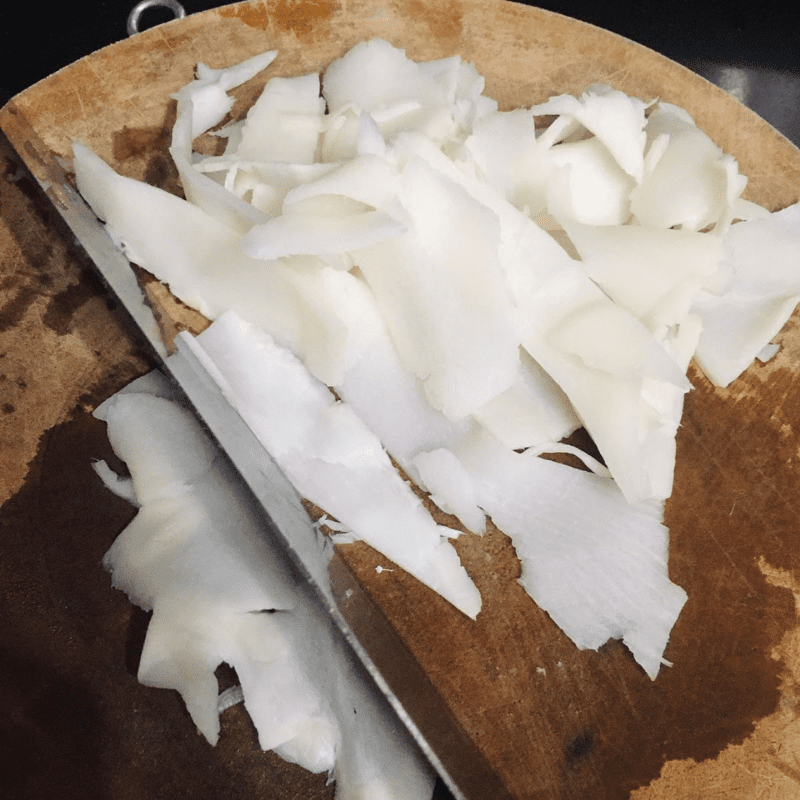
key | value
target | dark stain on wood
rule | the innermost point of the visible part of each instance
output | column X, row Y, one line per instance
column 133, row 142
column 75, row 721
column 117, row 376
column 44, row 241
column 301, row 17
column 144, row 153
column 24, row 198
column 580, row 747
column 13, row 310
column 733, row 504
column 443, row 20
column 62, row 307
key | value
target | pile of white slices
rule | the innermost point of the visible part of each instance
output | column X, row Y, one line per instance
column 195, row 555
column 473, row 285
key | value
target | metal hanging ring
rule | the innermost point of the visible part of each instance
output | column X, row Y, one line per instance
column 137, row 11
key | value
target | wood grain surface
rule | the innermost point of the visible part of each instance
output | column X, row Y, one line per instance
column 552, row 722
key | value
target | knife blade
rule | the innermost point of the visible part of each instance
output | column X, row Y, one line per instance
column 464, row 769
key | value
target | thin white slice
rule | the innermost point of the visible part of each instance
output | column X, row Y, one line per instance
column 285, row 123
column 181, row 487
column 331, row 457
column 383, row 393
column 764, row 256
column 451, row 487
column 598, row 569
column 527, row 254
column 122, row 487
column 202, row 104
column 368, row 178
column 345, row 131
column 616, row 119
column 202, row 262
column 531, row 412
column 333, row 228
column 441, row 290
column 439, row 98
column 375, row 76
column 262, row 184
column 652, row 272
column 510, row 158
column 211, row 102
column 188, row 638
column 691, row 184
column 588, row 185
column 608, row 364
column 239, row 604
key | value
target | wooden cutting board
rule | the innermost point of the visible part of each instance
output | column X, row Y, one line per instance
column 508, row 699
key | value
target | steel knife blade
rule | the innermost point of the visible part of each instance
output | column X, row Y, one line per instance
column 463, row 769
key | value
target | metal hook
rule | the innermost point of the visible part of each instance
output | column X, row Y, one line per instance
column 137, row 11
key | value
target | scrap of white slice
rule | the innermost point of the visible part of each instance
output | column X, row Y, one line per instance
column 600, row 571
column 202, row 262
column 764, row 257
column 441, row 290
column 398, row 93
column 527, row 254
column 376, row 759
column 287, row 703
column 691, row 183
column 532, row 411
column 608, row 364
column 122, row 487
column 510, row 159
column 368, row 178
column 211, row 83
column 388, row 398
column 374, row 75
column 587, row 185
column 262, row 184
column 284, row 124
column 205, row 102
column 458, row 80
column 226, row 596
column 652, row 272
column 451, row 487
column 201, row 105
column 682, row 343
column 331, row 457
column 322, row 225
column 348, row 133
column 616, row 119
column 441, row 99
column 180, row 487
column 206, row 193
column 188, row 638
column 470, row 105
column 192, row 554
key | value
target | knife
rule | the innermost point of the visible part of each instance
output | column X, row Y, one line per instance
column 409, row 692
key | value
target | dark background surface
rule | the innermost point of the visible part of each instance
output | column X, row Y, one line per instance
column 39, row 41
